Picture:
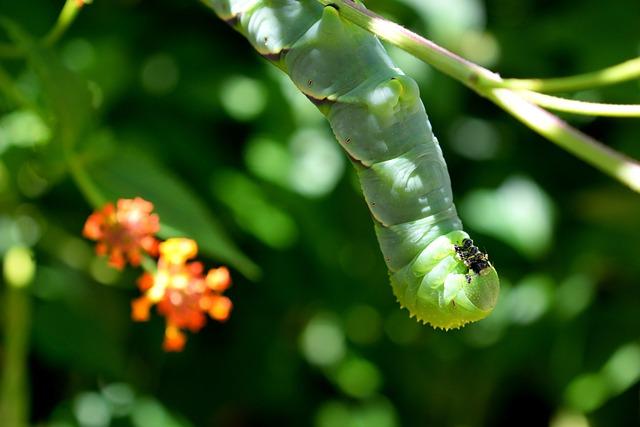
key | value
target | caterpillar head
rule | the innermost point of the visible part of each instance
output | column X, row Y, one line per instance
column 451, row 283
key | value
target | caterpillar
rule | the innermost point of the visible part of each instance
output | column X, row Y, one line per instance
column 377, row 116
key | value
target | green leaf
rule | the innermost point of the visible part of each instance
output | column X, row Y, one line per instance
column 182, row 213
column 67, row 94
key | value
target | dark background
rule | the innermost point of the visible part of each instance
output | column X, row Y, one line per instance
column 318, row 339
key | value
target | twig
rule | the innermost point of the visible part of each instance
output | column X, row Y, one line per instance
column 582, row 146
column 628, row 70
column 581, row 107
column 65, row 19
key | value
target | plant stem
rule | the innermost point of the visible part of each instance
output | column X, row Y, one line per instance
column 628, row 70
column 581, row 107
column 76, row 168
column 65, row 19
column 491, row 86
column 14, row 392
column 84, row 182
column 18, row 269
column 582, row 146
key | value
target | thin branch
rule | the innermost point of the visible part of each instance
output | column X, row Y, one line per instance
column 14, row 383
column 628, row 70
column 582, row 146
column 581, row 107
column 83, row 180
column 65, row 19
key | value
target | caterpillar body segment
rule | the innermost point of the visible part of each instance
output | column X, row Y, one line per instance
column 378, row 118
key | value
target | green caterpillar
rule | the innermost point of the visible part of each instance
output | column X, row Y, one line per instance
column 377, row 116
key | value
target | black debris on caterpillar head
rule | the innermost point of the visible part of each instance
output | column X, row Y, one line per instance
column 472, row 257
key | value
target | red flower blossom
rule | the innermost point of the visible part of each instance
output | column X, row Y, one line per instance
column 123, row 232
column 182, row 292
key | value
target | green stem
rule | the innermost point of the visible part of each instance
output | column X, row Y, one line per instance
column 14, row 407
column 581, row 107
column 18, row 272
column 84, row 182
column 65, row 19
column 582, row 146
column 488, row 84
column 628, row 70
column 76, row 167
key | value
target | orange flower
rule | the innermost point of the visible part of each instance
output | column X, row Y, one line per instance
column 124, row 231
column 182, row 292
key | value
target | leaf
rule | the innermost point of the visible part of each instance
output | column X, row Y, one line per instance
column 182, row 213
column 68, row 94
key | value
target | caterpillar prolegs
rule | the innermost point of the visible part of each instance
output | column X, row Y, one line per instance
column 377, row 116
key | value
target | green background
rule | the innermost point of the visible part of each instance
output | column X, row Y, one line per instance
column 161, row 99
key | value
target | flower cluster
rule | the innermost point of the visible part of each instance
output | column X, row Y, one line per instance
column 178, row 286
column 124, row 231
column 182, row 292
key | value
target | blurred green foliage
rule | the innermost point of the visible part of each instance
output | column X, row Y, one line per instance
column 162, row 100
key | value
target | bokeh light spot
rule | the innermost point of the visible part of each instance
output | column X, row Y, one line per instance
column 480, row 47
column 587, row 392
column 358, row 377
column 243, row 98
column 318, row 163
column 160, row 74
column 102, row 272
column 332, row 414
column 569, row 419
column 78, row 54
column 574, row 295
column 519, row 213
column 120, row 397
column 622, row 370
column 91, row 410
column 19, row 268
column 269, row 160
column 530, row 299
column 22, row 129
column 322, row 341
column 148, row 412
column 475, row 139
